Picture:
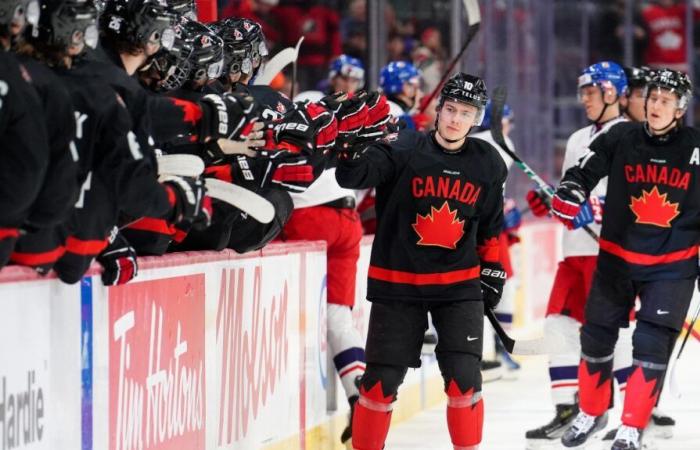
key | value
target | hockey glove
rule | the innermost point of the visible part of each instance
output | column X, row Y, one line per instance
column 187, row 197
column 511, row 216
column 228, row 116
column 584, row 216
column 118, row 260
column 493, row 278
column 351, row 113
column 597, row 204
column 377, row 118
column 538, row 202
column 567, row 202
column 308, row 128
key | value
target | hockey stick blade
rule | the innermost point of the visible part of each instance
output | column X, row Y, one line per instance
column 539, row 346
column 498, row 101
column 181, row 165
column 247, row 201
column 673, row 383
column 277, row 63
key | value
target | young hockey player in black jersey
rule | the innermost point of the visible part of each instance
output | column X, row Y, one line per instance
column 24, row 156
column 648, row 249
column 439, row 214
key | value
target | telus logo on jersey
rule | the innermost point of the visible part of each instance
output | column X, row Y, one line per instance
column 445, row 187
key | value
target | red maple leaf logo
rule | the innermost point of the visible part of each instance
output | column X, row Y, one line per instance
column 439, row 228
column 191, row 111
column 652, row 208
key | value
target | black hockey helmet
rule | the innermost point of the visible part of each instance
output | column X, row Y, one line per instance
column 186, row 8
column 468, row 89
column 638, row 77
column 64, row 23
column 672, row 80
column 14, row 11
column 253, row 34
column 237, row 51
column 207, row 56
column 172, row 67
column 138, row 22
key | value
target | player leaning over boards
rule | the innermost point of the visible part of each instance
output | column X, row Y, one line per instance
column 648, row 248
column 439, row 214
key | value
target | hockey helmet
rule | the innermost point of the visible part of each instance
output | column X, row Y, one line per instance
column 19, row 10
column 507, row 114
column 138, row 22
column 672, row 80
column 638, row 76
column 172, row 66
column 347, row 66
column 237, row 51
column 186, row 8
column 393, row 76
column 64, row 23
column 468, row 89
column 253, row 34
column 207, row 56
column 604, row 74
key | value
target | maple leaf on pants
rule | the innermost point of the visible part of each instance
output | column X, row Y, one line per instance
column 439, row 228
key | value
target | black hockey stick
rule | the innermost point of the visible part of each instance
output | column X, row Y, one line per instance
column 498, row 100
column 539, row 346
column 675, row 390
column 474, row 19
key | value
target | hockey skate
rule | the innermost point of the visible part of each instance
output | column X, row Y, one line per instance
column 550, row 434
column 583, row 429
column 627, row 438
column 491, row 371
column 660, row 426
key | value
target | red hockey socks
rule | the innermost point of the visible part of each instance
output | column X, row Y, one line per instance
column 371, row 420
column 595, row 384
column 465, row 417
column 643, row 389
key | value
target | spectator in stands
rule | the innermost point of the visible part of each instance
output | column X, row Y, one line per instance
column 608, row 33
column 667, row 34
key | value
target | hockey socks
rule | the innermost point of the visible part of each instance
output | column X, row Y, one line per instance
column 595, row 384
column 346, row 345
column 371, row 418
column 465, row 417
column 643, row 389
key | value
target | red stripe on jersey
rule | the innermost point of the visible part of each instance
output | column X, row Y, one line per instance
column 81, row 247
column 420, row 279
column 9, row 233
column 645, row 259
column 39, row 258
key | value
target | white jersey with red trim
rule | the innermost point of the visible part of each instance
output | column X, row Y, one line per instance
column 323, row 190
column 578, row 242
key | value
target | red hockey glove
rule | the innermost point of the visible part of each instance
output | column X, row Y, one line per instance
column 229, row 116
column 567, row 201
column 351, row 113
column 377, row 118
column 308, row 128
column 493, row 278
column 188, row 198
column 118, row 260
column 538, row 202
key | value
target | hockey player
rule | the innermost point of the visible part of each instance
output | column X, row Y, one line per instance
column 346, row 74
column 632, row 103
column 648, row 248
column 400, row 82
column 440, row 211
column 600, row 87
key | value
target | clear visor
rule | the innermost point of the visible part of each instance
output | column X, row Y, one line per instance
column 167, row 38
column 32, row 12
column 682, row 100
column 91, row 36
column 215, row 70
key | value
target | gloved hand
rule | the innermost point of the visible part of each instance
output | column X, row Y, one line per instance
column 118, row 260
column 584, row 216
column 308, row 128
column 350, row 112
column 228, row 116
column 493, row 278
column 377, row 118
column 538, row 202
column 188, row 199
column 567, row 202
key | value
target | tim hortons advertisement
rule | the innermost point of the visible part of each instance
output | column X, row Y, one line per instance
column 156, row 365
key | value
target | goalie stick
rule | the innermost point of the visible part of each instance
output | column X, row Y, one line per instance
column 673, row 383
column 474, row 20
column 277, row 63
column 498, row 101
column 539, row 346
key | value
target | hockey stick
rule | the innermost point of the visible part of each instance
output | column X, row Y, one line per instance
column 294, row 67
column 277, row 63
column 498, row 100
column 673, row 384
column 247, row 201
column 539, row 346
column 181, row 165
column 474, row 20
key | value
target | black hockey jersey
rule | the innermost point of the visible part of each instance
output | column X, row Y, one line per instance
column 651, row 223
column 438, row 215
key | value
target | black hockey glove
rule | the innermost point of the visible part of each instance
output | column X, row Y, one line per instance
column 229, row 116
column 351, row 113
column 567, row 202
column 493, row 278
column 188, row 199
column 118, row 260
column 308, row 128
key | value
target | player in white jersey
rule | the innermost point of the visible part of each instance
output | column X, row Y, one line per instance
column 600, row 87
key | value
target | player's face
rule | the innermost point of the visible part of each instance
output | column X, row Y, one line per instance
column 635, row 104
column 592, row 100
column 411, row 91
column 662, row 108
column 349, row 85
column 456, row 119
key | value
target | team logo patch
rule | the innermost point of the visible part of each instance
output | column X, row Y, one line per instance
column 439, row 228
column 652, row 208
column 237, row 35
